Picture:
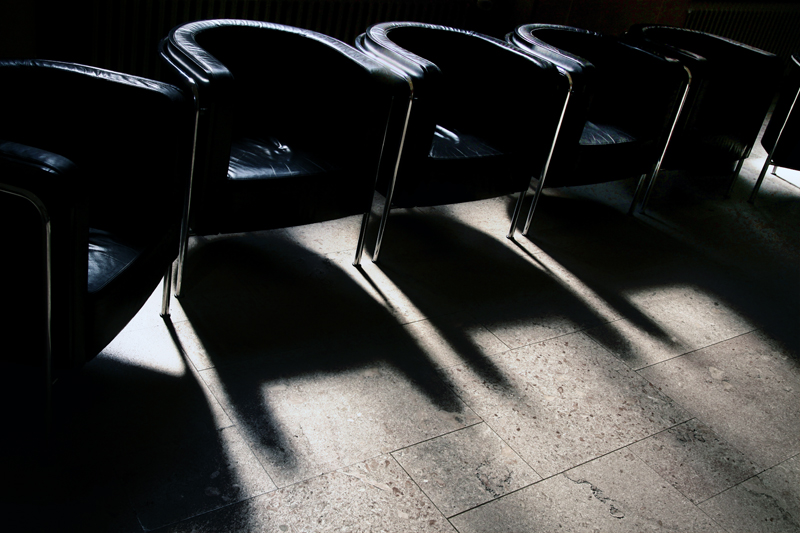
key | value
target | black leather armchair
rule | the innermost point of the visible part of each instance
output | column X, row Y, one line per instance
column 290, row 126
column 781, row 139
column 732, row 88
column 482, row 119
column 623, row 106
column 92, row 169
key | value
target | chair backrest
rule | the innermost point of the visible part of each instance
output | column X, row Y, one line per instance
column 464, row 79
column 628, row 88
column 301, row 87
column 100, row 120
column 80, row 147
column 732, row 85
column 785, row 121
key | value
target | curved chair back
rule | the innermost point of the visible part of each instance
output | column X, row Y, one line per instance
column 781, row 138
column 93, row 167
column 623, row 108
column 482, row 120
column 290, row 125
column 732, row 87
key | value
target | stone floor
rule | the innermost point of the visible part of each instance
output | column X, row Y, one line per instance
column 605, row 373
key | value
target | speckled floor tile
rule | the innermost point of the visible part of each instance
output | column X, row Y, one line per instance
column 455, row 339
column 763, row 504
column 746, row 389
column 465, row 468
column 690, row 316
column 204, row 474
column 639, row 346
column 308, row 419
column 617, row 492
column 694, row 460
column 783, row 483
column 375, row 495
column 532, row 318
column 567, row 401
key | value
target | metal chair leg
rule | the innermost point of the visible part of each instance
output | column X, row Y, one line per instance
column 390, row 193
column 384, row 217
column 760, row 179
column 772, row 152
column 515, row 215
column 166, row 292
column 636, row 193
column 361, row 237
column 735, row 175
column 536, row 196
column 184, row 244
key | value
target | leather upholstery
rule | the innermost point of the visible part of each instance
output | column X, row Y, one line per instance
column 732, row 87
column 483, row 116
column 623, row 103
column 787, row 154
column 94, row 163
column 291, row 123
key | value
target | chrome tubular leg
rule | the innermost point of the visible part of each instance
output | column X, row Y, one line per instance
column 184, row 244
column 166, row 292
column 760, row 179
column 648, row 192
column 735, row 175
column 536, row 196
column 652, row 181
column 515, row 216
column 546, row 169
column 362, row 233
column 774, row 147
column 636, row 193
column 390, row 192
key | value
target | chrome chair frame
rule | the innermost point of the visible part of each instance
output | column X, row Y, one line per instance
column 185, row 233
column 657, row 169
column 768, row 162
column 520, row 198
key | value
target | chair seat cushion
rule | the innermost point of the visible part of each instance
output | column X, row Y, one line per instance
column 123, row 272
column 601, row 134
column 604, row 153
column 258, row 158
column 108, row 257
column 451, row 144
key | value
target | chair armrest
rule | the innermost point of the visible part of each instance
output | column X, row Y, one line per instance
column 45, row 254
column 46, row 179
column 580, row 71
column 184, row 49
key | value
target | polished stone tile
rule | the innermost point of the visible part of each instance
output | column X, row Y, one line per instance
column 455, row 339
column 529, row 319
column 139, row 391
column 204, row 474
column 617, row 492
column 746, row 389
column 690, row 316
column 325, row 412
column 694, row 460
column 566, row 401
column 783, row 483
column 639, row 346
column 374, row 495
column 329, row 237
column 465, row 468
column 766, row 503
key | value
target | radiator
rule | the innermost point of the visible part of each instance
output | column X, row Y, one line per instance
column 774, row 27
column 125, row 33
